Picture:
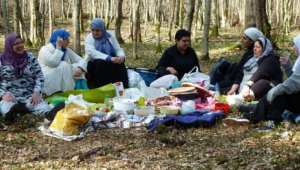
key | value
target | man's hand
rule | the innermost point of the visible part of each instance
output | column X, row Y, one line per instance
column 172, row 70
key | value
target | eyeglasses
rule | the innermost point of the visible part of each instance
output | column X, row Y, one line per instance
column 18, row 43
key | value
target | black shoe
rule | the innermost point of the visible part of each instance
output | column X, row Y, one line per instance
column 12, row 113
column 247, row 108
column 52, row 113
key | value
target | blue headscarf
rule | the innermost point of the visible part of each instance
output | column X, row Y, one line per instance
column 102, row 42
column 62, row 34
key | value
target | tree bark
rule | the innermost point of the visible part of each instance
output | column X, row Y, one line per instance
column 16, row 20
column 50, row 17
column 130, row 21
column 189, row 15
column 177, row 9
column 39, row 35
column 24, row 34
column 198, row 3
column 146, row 17
column 135, row 25
column 181, row 11
column 158, row 25
column 106, row 13
column 250, row 13
column 63, row 11
column 205, row 41
column 172, row 11
column 76, row 27
column 215, row 22
column 5, row 20
column 118, row 22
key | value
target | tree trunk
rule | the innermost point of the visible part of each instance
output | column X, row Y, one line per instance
column 50, row 17
column 63, row 11
column 158, row 25
column 130, row 21
column 181, row 11
column 5, row 19
column 43, row 17
column 177, row 9
column 250, row 14
column 76, row 27
column 81, row 21
column 297, row 12
column 196, row 19
column 39, row 35
column 136, row 29
column 32, row 21
column 94, row 9
column 68, row 11
column 106, row 14
column 16, row 20
column 287, row 16
column 24, row 34
column 118, row 22
column 189, row 15
column 214, row 18
column 172, row 11
column 205, row 40
column 146, row 17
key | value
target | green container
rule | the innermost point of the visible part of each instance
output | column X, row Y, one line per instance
column 56, row 100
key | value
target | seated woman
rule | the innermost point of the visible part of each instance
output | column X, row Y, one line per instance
column 284, row 96
column 260, row 73
column 60, row 65
column 21, row 82
column 179, row 58
column 106, row 59
column 249, row 37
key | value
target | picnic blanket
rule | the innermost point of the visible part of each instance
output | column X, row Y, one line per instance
column 196, row 119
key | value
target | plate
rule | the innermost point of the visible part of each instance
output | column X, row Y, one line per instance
column 181, row 89
column 199, row 88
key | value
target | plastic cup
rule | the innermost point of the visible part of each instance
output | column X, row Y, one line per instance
column 286, row 55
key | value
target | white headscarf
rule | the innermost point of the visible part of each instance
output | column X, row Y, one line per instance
column 267, row 49
column 297, row 44
column 254, row 33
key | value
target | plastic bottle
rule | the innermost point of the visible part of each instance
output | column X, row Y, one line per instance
column 106, row 103
column 217, row 91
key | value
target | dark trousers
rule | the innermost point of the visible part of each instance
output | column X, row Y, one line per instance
column 273, row 111
column 260, row 88
column 103, row 73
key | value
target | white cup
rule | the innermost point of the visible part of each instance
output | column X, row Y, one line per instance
column 286, row 55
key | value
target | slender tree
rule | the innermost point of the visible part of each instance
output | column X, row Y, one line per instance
column 23, row 31
column 197, row 7
column 189, row 15
column 205, row 41
column 215, row 21
column 136, row 28
column 16, row 20
column 106, row 13
column 5, row 20
column 177, row 9
column 118, row 22
column 172, row 11
column 158, row 25
column 76, row 26
column 50, row 17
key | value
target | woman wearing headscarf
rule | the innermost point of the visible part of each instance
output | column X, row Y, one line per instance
column 284, row 96
column 249, row 37
column 60, row 65
column 21, row 82
column 105, row 56
column 260, row 73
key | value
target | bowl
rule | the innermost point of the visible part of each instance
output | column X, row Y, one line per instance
column 223, row 107
column 144, row 110
column 125, row 104
column 234, row 100
column 169, row 110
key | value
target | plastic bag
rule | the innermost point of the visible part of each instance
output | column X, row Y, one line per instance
column 134, row 78
column 149, row 92
column 132, row 93
column 68, row 120
column 164, row 81
column 196, row 77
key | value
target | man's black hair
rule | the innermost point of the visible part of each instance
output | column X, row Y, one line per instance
column 182, row 33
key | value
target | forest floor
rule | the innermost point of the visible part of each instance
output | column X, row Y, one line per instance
column 23, row 146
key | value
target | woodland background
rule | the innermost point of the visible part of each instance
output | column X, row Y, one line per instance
column 145, row 28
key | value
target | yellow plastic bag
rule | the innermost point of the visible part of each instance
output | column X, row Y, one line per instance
column 67, row 120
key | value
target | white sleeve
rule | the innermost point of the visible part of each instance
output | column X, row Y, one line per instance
column 48, row 58
column 90, row 49
column 77, row 59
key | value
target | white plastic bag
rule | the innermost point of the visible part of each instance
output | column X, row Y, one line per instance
column 150, row 92
column 134, row 78
column 132, row 93
column 196, row 77
column 164, row 81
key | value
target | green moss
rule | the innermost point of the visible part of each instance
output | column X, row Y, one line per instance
column 222, row 159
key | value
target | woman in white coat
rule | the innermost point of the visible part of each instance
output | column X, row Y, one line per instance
column 106, row 59
column 60, row 65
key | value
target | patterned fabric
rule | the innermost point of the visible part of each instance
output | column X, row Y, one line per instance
column 31, row 80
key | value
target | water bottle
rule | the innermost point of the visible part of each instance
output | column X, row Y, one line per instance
column 106, row 103
column 217, row 91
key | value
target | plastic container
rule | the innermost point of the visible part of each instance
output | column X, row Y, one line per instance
column 169, row 110
column 223, row 107
column 144, row 110
column 125, row 104
column 56, row 100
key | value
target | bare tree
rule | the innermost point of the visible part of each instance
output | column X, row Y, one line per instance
column 181, row 11
column 5, row 20
column 118, row 22
column 50, row 18
column 130, row 21
column 197, row 7
column 23, row 31
column 136, row 27
column 205, row 41
column 189, row 15
column 158, row 25
column 63, row 11
column 215, row 19
column 177, row 9
column 16, row 20
column 76, row 27
column 172, row 11
column 106, row 13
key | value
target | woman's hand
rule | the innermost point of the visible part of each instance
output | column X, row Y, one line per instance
column 59, row 42
column 121, row 59
column 8, row 97
column 231, row 92
column 172, row 70
column 114, row 60
column 77, row 72
column 35, row 99
column 284, row 61
column 245, row 93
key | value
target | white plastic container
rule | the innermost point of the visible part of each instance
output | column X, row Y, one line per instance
column 144, row 110
column 125, row 104
column 169, row 110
